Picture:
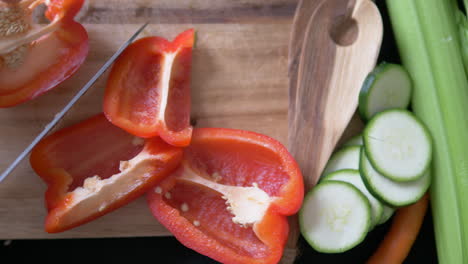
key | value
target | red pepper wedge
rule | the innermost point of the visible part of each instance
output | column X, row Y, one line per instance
column 93, row 167
column 230, row 198
column 34, row 61
column 148, row 90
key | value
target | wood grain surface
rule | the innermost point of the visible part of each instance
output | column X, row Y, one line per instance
column 340, row 48
column 326, row 54
column 240, row 80
column 304, row 11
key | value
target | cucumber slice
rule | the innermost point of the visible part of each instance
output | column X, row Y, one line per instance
column 353, row 177
column 398, row 145
column 345, row 158
column 334, row 217
column 387, row 86
column 354, row 141
column 386, row 214
column 392, row 192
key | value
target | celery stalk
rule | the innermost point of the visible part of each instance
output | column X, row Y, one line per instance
column 463, row 31
column 463, row 28
column 429, row 43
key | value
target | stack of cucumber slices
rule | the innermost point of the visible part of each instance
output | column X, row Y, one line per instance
column 386, row 167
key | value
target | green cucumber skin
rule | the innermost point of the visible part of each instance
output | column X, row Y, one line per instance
column 376, row 193
column 331, row 174
column 385, row 218
column 340, row 151
column 370, row 188
column 371, row 159
column 363, row 94
column 327, row 176
column 371, row 78
column 341, row 250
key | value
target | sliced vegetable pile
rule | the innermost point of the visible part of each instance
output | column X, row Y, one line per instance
column 385, row 168
column 35, row 59
column 226, row 194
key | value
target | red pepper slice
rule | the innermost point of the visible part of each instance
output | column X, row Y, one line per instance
column 148, row 90
column 230, row 197
column 93, row 167
column 35, row 60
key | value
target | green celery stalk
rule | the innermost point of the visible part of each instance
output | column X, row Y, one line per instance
column 429, row 43
column 462, row 23
column 464, row 40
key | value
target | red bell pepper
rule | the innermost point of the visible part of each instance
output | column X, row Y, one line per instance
column 148, row 90
column 34, row 60
column 93, row 167
column 230, row 197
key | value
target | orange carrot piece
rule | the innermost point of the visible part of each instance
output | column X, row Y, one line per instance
column 400, row 238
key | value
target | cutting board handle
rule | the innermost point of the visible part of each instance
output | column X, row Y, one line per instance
column 329, row 79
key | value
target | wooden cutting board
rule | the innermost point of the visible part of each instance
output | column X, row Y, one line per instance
column 240, row 80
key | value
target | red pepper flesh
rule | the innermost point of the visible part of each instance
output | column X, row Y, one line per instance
column 93, row 167
column 148, row 90
column 200, row 214
column 47, row 61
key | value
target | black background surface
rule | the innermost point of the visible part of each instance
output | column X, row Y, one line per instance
column 169, row 250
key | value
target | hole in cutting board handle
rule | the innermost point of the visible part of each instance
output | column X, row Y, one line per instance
column 344, row 30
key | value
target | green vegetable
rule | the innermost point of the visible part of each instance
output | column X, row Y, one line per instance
column 344, row 158
column 334, row 217
column 398, row 145
column 386, row 214
column 387, row 86
column 392, row 192
column 354, row 178
column 430, row 47
column 462, row 22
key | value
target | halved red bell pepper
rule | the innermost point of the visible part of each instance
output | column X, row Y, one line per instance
column 34, row 60
column 148, row 90
column 93, row 167
column 230, row 197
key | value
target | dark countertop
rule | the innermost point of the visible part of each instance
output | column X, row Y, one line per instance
column 169, row 250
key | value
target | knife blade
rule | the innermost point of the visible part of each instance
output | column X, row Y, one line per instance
column 70, row 104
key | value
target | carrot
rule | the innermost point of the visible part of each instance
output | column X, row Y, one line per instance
column 400, row 238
